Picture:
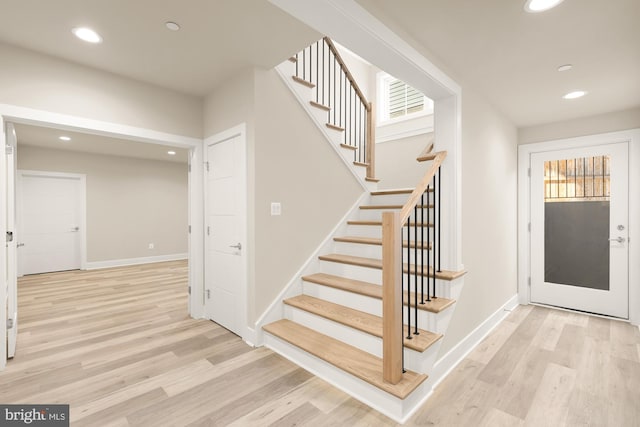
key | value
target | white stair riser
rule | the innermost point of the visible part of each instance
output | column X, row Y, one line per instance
column 362, row 340
column 376, row 214
column 423, row 362
column 389, row 199
column 426, row 320
column 376, row 231
column 373, row 275
column 374, row 251
column 365, row 274
column 364, row 231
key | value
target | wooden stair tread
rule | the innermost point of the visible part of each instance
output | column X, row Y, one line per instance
column 320, row 106
column 377, row 264
column 361, row 164
column 436, row 305
column 361, row 364
column 427, row 157
column 378, row 242
column 293, row 59
column 359, row 320
column 369, row 207
column 379, row 223
column 303, row 82
column 395, row 191
column 332, row 126
column 349, row 147
column 372, row 179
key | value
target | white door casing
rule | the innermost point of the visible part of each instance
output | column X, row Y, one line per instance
column 612, row 302
column 225, row 293
column 12, row 266
column 51, row 219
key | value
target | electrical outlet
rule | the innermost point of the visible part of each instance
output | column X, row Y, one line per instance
column 276, row 208
column 151, row 246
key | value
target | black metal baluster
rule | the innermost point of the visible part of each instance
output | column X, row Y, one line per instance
column 402, row 303
column 408, row 281
column 428, row 225
column 304, row 64
column 335, row 100
column 297, row 72
column 415, row 268
column 439, row 193
column 324, row 85
column 422, row 246
column 317, row 71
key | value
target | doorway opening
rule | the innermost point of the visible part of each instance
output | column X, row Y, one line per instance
column 90, row 201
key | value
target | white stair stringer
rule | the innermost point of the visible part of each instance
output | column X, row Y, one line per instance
column 305, row 95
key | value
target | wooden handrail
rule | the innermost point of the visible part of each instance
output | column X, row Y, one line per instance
column 392, row 301
column 425, row 155
column 414, row 198
column 346, row 71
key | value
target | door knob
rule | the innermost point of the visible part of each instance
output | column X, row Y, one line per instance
column 618, row 239
column 238, row 246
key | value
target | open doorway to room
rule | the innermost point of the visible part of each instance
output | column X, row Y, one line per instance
column 101, row 222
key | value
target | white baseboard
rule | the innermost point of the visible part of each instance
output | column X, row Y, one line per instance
column 95, row 265
column 449, row 361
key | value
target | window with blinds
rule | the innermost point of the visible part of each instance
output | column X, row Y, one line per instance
column 403, row 99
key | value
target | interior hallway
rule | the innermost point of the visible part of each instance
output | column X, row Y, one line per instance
column 118, row 346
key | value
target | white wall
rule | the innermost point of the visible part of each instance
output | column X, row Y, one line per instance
column 489, row 215
column 396, row 164
column 290, row 162
column 296, row 166
column 609, row 122
column 34, row 80
column 130, row 202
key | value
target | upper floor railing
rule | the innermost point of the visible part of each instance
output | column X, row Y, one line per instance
column 339, row 94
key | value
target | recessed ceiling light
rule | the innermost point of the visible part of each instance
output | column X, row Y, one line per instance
column 565, row 67
column 64, row 138
column 575, row 94
column 535, row 6
column 172, row 26
column 87, row 34
column 171, row 153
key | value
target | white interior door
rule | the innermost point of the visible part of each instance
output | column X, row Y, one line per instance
column 12, row 266
column 50, row 221
column 225, row 270
column 579, row 229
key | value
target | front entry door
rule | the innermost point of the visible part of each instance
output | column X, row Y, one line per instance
column 579, row 229
column 225, row 295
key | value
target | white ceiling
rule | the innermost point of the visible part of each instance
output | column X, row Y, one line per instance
column 36, row 136
column 512, row 57
column 493, row 45
column 217, row 37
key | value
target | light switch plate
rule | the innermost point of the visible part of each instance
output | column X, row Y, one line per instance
column 276, row 208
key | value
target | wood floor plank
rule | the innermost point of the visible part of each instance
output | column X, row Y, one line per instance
column 499, row 369
column 551, row 401
column 173, row 370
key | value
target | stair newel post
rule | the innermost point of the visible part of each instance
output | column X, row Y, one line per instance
column 392, row 332
column 371, row 141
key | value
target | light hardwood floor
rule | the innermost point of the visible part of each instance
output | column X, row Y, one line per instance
column 118, row 346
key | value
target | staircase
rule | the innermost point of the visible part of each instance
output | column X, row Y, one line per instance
column 368, row 314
